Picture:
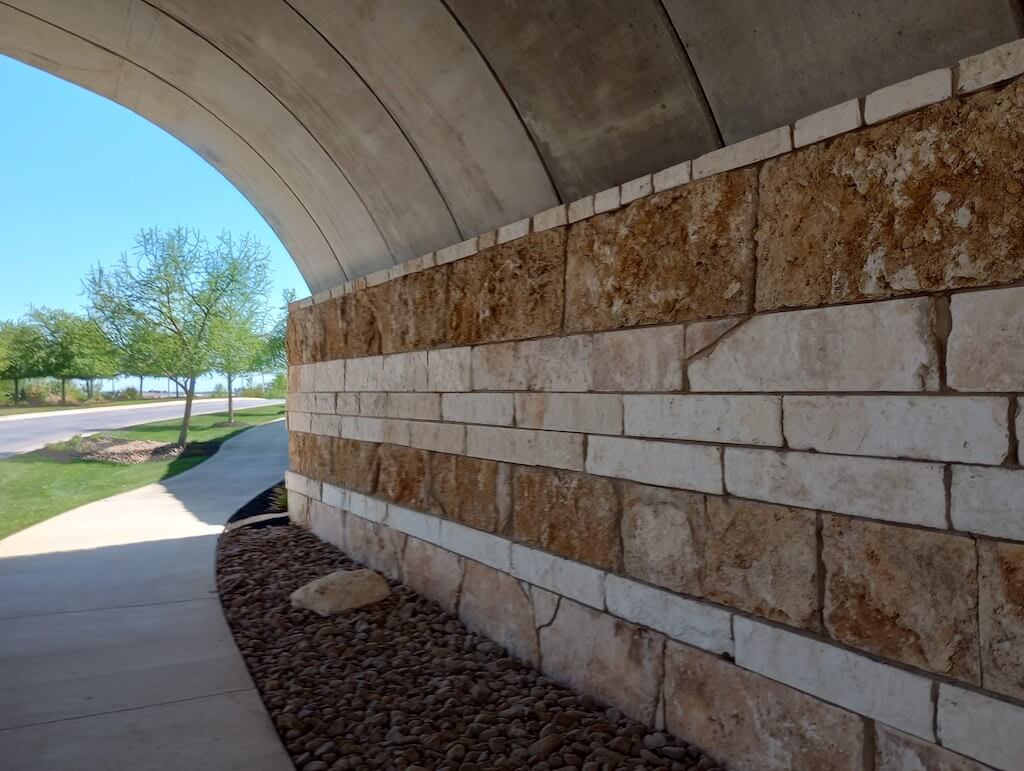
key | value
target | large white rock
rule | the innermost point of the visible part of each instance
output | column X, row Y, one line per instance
column 340, row 591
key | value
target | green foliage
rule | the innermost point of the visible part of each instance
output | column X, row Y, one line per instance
column 22, row 351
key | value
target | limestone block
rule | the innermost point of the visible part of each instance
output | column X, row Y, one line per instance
column 486, row 240
column 366, row 507
column 405, row 477
column 545, row 605
column 894, row 490
column 894, row 696
column 496, row 605
column 551, row 218
column 581, row 209
column 981, row 727
column 298, row 509
column 424, row 527
column 375, row 545
column 363, row 429
column 404, row 372
column 365, row 374
column 457, row 251
column 705, row 418
column 696, row 623
column 635, row 188
column 684, row 466
column 753, row 150
column 606, row 200
column 448, row 369
column 340, row 591
column 301, row 378
column 986, row 344
column 749, row 722
column 585, row 413
column 473, row 491
column 616, row 662
column 662, row 541
column 923, row 203
column 326, row 425
column 673, row 176
column 829, row 349
column 485, row 548
column 326, row 522
column 487, row 409
column 300, row 421
column 401, row 405
column 964, row 429
column 827, row 123
column 323, row 403
column 439, row 437
column 573, row 515
column 999, row 63
column 874, row 575
column 989, row 501
column 410, row 311
column 908, row 95
column 509, row 292
column 346, row 404
column 329, row 376
column 527, row 447
column 432, row 572
column 563, row 577
column 897, row 751
column 1001, row 615
column 514, row 230
column 686, row 253
column 702, row 334
column 335, row 496
column 552, row 364
column 301, row 484
column 646, row 359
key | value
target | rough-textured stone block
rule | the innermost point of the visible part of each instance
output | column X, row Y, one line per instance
column 923, row 203
column 509, row 292
column 965, row 429
column 908, row 95
column 405, row 477
column 743, row 153
column 989, row 501
column 301, row 378
column 527, row 447
column 553, row 364
column 686, row 253
column 751, row 723
column 827, row 123
column 375, row 545
column 585, row 413
column 433, row 572
column 349, row 327
column 411, row 311
column 897, row 751
column 573, row 515
column 353, row 464
column 449, row 369
column 999, row 63
column 661, row 537
column 673, row 176
column 596, row 653
column 895, row 490
column 689, row 621
column 981, row 727
column 563, row 577
column 646, row 359
column 830, row 349
column 496, row 605
column 986, row 344
column 486, row 409
column 438, row 437
column 472, row 491
column 903, row 594
column 895, row 697
column 685, row 466
column 1001, row 616
column 304, row 335
column 705, row 418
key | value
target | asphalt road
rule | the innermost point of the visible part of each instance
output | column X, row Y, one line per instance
column 23, row 433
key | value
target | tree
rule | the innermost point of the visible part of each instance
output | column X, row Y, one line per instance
column 72, row 347
column 162, row 308
column 237, row 347
column 23, row 343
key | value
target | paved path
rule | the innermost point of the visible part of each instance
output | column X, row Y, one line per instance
column 30, row 431
column 114, row 653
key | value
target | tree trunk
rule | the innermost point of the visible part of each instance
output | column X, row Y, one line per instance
column 140, row 386
column 15, row 390
column 88, row 388
column 190, row 392
column 63, row 390
column 231, row 401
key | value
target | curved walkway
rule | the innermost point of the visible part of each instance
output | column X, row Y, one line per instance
column 114, row 653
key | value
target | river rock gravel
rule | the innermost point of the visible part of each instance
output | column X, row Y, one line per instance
column 402, row 684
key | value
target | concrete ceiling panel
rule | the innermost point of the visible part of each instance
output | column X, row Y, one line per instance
column 766, row 64
column 424, row 69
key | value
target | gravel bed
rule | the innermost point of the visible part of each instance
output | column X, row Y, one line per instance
column 403, row 685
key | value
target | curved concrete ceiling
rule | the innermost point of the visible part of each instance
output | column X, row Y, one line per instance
column 368, row 132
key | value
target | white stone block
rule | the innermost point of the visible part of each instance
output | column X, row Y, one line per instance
column 319, row 297
column 894, row 490
column 404, row 371
column 486, row 240
column 827, row 349
column 981, row 727
column 828, row 123
column 300, row 421
column 378, row 277
column 644, row 359
column 485, row 409
column 551, row 364
column 684, row 466
column 565, row 577
column 490, row 550
column 697, row 623
column 673, row 176
column 365, row 373
column 743, row 153
column 732, row 419
column 606, row 200
column 301, row 378
column 327, row 523
column 908, row 95
column 526, row 447
column 988, row 501
column 986, row 344
column 512, row 231
column 373, row 509
column 414, row 523
column 551, row 218
column 581, row 209
column 298, row 508
column 448, row 369
column 329, row 376
column 583, row 413
column 545, row 604
column 947, row 428
column 635, row 189
column 323, row 403
column 335, row 496
column 326, row 425
column 415, row 406
column 455, row 251
column 893, row 696
column 997, row 64
column 1020, row 430
column 346, row 404
column 363, row 429
column 302, row 485
column 439, row 437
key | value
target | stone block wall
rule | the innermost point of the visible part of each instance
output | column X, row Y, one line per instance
column 738, row 455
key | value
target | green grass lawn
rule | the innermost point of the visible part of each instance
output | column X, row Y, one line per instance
column 35, row 486
column 8, row 409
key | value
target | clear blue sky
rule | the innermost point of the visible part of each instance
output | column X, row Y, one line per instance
column 80, row 176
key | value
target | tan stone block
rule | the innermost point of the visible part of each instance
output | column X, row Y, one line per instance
column 573, row 515
column 350, row 327
column 1001, row 614
column 405, row 477
column 311, row 455
column 907, row 595
column 374, row 545
column 897, row 751
column 304, row 335
column 497, row 605
column 923, row 203
column 596, row 653
column 686, row 253
column 411, row 311
column 509, row 292
column 301, row 378
column 646, row 359
column 472, row 491
column 661, row 537
column 353, row 464
column 585, row 413
column 748, row 722
column 986, row 343
column 433, row 572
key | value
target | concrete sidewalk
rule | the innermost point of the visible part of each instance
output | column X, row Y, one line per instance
column 114, row 653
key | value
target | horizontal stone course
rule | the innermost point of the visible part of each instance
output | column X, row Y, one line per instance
column 753, row 150
column 582, row 583
column 526, row 446
column 685, row 466
column 988, row 500
column 908, row 95
column 981, row 727
column 487, row 409
column 646, row 359
column 999, row 63
column 706, row 418
column 552, row 364
column 986, row 343
column 585, row 413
